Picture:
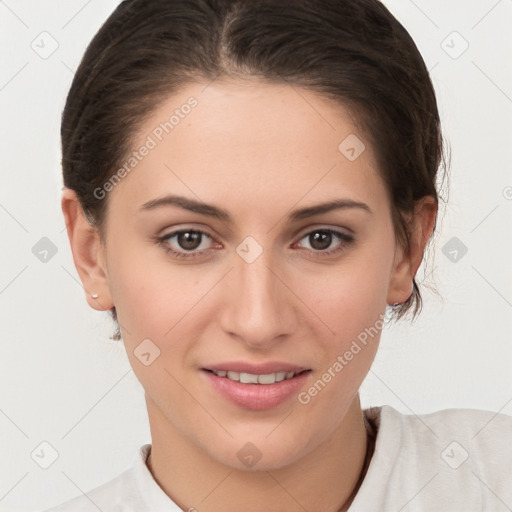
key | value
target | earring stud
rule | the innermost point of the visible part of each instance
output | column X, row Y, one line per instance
column 94, row 295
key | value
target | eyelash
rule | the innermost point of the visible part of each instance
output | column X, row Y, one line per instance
column 344, row 242
column 344, row 239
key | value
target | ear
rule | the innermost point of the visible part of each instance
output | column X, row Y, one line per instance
column 88, row 252
column 420, row 225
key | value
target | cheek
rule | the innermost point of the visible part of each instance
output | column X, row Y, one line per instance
column 139, row 289
column 351, row 303
column 153, row 297
column 350, row 296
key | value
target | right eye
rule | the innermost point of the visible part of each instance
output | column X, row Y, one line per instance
column 186, row 243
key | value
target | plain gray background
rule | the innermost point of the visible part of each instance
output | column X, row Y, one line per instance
column 65, row 383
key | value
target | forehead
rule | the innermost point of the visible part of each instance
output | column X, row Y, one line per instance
column 262, row 140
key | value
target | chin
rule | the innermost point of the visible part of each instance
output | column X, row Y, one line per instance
column 260, row 453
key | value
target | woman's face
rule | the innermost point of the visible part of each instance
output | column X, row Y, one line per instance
column 253, row 235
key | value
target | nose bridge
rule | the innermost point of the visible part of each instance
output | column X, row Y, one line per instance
column 258, row 309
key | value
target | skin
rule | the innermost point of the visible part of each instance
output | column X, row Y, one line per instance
column 258, row 152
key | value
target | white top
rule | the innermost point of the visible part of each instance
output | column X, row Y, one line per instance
column 451, row 460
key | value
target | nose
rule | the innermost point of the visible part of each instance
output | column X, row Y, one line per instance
column 258, row 307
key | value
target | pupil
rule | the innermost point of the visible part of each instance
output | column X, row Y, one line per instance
column 189, row 240
column 320, row 240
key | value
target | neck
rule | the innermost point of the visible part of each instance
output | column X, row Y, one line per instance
column 326, row 480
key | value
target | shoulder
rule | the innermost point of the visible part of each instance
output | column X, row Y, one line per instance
column 480, row 429
column 116, row 495
column 448, row 458
column 134, row 490
column 121, row 493
column 461, row 434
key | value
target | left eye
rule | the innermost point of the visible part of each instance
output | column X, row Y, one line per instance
column 323, row 239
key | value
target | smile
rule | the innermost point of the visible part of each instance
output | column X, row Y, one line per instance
column 251, row 378
column 257, row 387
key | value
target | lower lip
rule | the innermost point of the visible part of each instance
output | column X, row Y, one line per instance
column 257, row 397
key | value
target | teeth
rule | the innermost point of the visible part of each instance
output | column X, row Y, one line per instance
column 269, row 378
column 250, row 378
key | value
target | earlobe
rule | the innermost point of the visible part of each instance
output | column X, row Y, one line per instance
column 88, row 253
column 406, row 264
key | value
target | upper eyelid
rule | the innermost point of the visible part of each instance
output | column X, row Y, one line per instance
column 336, row 232
column 175, row 232
column 332, row 229
column 231, row 234
column 302, row 232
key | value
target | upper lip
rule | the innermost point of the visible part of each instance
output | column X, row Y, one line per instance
column 256, row 369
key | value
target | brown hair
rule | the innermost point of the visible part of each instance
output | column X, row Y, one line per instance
column 353, row 51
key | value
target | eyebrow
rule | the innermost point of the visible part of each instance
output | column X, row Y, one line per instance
column 214, row 211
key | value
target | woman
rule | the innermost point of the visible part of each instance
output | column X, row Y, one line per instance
column 249, row 189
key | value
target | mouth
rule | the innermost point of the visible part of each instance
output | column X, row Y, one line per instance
column 254, row 378
column 256, row 387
